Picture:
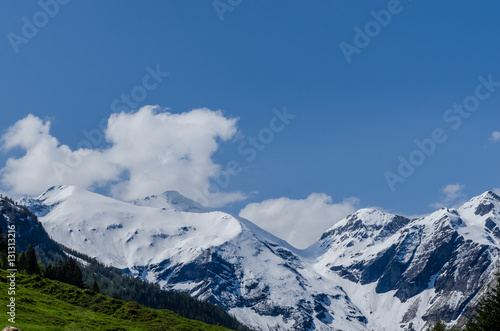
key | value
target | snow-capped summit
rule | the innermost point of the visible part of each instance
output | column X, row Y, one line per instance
column 481, row 215
column 420, row 269
column 171, row 200
column 41, row 205
column 366, row 223
column 54, row 195
column 371, row 271
column 485, row 204
column 58, row 192
column 212, row 255
column 356, row 232
column 125, row 235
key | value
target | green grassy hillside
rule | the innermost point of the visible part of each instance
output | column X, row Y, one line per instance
column 43, row 304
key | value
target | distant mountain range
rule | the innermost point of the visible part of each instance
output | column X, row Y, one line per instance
column 370, row 271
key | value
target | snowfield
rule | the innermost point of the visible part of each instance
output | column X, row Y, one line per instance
column 371, row 271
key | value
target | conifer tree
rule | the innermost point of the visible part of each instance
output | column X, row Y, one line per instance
column 75, row 274
column 21, row 261
column 31, row 262
column 439, row 326
column 486, row 316
column 68, row 272
column 50, row 271
column 3, row 249
column 95, row 287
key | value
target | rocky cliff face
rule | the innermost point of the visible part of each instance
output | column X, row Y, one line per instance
column 28, row 230
column 371, row 271
column 434, row 266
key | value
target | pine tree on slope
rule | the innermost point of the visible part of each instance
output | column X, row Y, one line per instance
column 486, row 316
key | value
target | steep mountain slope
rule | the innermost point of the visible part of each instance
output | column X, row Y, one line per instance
column 212, row 255
column 28, row 230
column 51, row 305
column 422, row 269
column 371, row 271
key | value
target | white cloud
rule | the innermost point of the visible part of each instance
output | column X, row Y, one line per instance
column 300, row 222
column 45, row 161
column 452, row 196
column 150, row 151
column 497, row 191
column 495, row 136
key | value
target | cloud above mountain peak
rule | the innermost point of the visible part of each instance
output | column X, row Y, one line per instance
column 147, row 152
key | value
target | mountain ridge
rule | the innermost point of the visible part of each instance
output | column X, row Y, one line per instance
column 172, row 200
column 367, row 264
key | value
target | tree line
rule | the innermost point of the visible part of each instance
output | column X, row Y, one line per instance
column 112, row 282
column 67, row 271
column 115, row 283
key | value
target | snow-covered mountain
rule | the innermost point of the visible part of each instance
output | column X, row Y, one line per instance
column 371, row 271
column 171, row 200
column 28, row 230
column 418, row 270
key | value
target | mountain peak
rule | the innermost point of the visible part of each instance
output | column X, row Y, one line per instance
column 369, row 263
column 365, row 223
column 369, row 212
column 370, row 217
column 486, row 196
column 482, row 204
column 57, row 190
column 491, row 196
column 171, row 200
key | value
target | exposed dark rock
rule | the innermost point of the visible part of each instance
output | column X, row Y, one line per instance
column 411, row 313
column 484, row 209
column 28, row 230
column 489, row 224
column 494, row 196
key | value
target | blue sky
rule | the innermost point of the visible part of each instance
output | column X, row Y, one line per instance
column 353, row 120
